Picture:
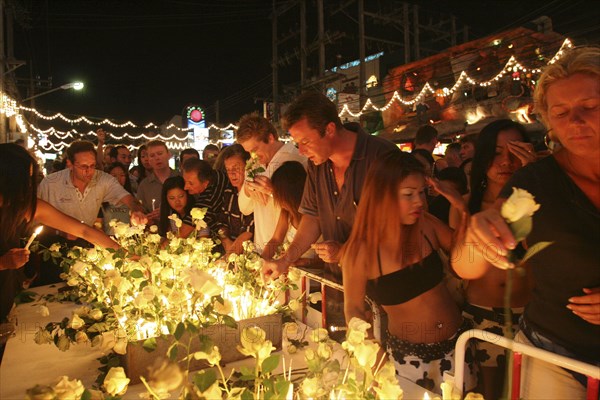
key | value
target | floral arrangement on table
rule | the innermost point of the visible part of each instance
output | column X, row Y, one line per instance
column 253, row 167
column 358, row 370
column 145, row 290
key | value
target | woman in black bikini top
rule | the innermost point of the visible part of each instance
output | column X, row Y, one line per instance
column 391, row 256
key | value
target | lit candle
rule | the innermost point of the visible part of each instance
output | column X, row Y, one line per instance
column 33, row 236
column 290, row 393
column 153, row 201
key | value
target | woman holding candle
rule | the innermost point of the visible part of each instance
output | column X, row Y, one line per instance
column 20, row 209
column 563, row 314
column 392, row 256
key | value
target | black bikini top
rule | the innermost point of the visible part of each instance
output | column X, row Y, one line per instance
column 407, row 283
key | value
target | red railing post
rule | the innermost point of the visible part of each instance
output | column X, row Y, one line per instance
column 592, row 388
column 516, row 376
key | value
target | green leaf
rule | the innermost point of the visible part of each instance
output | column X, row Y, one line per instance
column 179, row 331
column 86, row 395
column 270, row 363
column 247, row 377
column 281, row 387
column 521, row 228
column 247, row 395
column 533, row 250
column 150, row 344
column 245, row 370
column 205, row 344
column 229, row 321
column 136, row 273
column 204, row 379
column 173, row 352
column 25, row 297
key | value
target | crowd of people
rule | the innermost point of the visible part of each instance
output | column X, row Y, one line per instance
column 412, row 232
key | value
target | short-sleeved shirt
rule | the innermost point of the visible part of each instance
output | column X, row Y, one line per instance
column 569, row 220
column 212, row 200
column 231, row 217
column 267, row 215
column 58, row 190
column 336, row 209
column 150, row 188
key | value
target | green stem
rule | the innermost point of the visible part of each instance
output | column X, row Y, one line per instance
column 508, row 330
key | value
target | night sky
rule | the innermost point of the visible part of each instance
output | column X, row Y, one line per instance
column 146, row 60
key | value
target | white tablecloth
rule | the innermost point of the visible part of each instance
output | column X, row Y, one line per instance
column 26, row 363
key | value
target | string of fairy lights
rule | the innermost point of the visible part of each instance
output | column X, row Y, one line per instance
column 512, row 65
column 10, row 107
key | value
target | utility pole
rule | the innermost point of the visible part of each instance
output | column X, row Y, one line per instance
column 275, row 68
column 321, row 38
column 3, row 137
column 361, row 54
column 406, row 26
column 303, row 43
column 416, row 32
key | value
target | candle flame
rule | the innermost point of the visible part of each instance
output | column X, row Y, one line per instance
column 38, row 230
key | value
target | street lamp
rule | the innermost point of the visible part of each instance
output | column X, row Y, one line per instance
column 72, row 85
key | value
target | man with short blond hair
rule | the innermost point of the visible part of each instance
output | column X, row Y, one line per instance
column 259, row 137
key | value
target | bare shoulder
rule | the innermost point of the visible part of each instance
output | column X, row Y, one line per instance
column 435, row 229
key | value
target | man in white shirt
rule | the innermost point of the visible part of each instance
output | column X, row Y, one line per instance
column 80, row 189
column 257, row 135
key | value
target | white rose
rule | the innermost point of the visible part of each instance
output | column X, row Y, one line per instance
column 204, row 283
column 96, row 314
column 366, row 354
column 358, row 324
column 121, row 346
column 294, row 275
column 164, row 376
column 198, row 213
column 290, row 329
column 42, row 336
column 224, row 308
column 81, row 337
column 153, row 228
column 78, row 267
column 54, row 248
column 116, row 382
column 63, row 343
column 314, row 298
column 324, row 351
column 294, row 304
column 43, row 310
column 291, row 349
column 76, row 322
column 319, row 335
column 66, row 389
column 520, row 204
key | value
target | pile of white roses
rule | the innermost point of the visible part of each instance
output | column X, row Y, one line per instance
column 144, row 290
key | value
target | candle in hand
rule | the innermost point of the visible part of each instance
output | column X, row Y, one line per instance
column 33, row 236
column 153, row 201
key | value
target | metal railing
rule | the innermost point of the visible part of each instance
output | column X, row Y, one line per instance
column 518, row 350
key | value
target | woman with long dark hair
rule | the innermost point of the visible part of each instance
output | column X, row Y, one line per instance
column 20, row 209
column 502, row 148
column 392, row 257
column 174, row 200
column 288, row 186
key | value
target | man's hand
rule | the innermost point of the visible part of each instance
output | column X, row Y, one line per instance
column 328, row 251
column 260, row 190
column 587, row 306
column 14, row 259
column 138, row 218
column 101, row 136
column 273, row 269
column 153, row 216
